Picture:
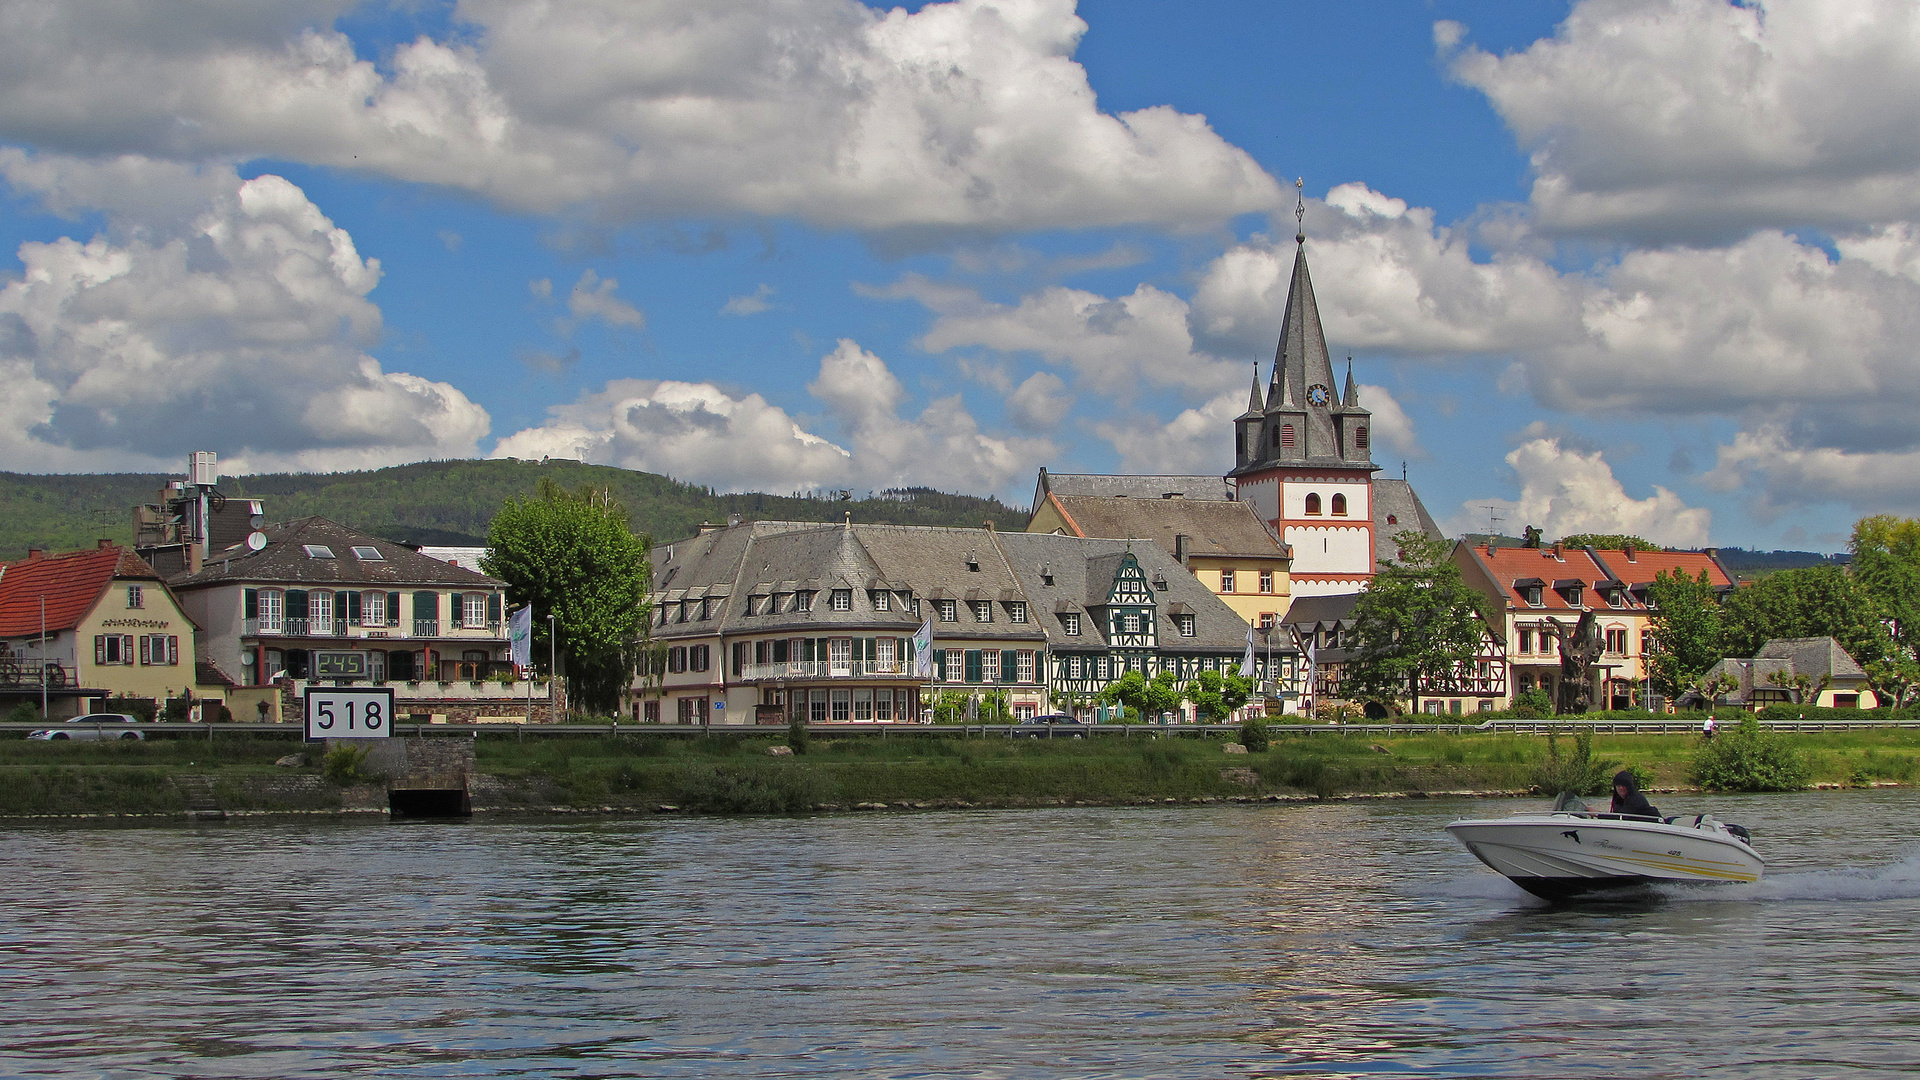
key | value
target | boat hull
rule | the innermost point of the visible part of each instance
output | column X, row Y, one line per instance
column 1559, row 855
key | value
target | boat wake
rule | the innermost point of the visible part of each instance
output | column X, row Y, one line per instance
column 1896, row 880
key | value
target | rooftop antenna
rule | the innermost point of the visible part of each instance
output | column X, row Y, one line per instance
column 1493, row 519
column 1300, row 210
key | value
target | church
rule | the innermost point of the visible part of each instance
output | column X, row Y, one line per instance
column 1303, row 464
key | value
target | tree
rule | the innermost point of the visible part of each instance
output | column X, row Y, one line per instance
column 1609, row 542
column 1688, row 632
column 1886, row 562
column 572, row 556
column 1216, row 694
column 1815, row 601
column 1143, row 698
column 1418, row 624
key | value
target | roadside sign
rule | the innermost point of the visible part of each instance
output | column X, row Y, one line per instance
column 337, row 712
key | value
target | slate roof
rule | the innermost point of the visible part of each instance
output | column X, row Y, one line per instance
column 1784, row 658
column 1212, row 527
column 1217, row 627
column 1815, row 656
column 1322, row 612
column 284, row 560
column 1398, row 500
column 71, row 583
column 1133, row 487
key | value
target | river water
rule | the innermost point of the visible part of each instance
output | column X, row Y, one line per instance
column 1339, row 939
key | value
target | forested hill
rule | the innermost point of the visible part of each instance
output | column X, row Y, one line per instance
column 446, row 502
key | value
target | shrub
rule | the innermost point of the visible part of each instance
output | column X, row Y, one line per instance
column 1577, row 772
column 797, row 734
column 141, row 708
column 24, row 712
column 1253, row 735
column 342, row 763
column 1750, row 758
column 1532, row 702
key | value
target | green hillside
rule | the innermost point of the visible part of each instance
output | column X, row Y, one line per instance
column 446, row 502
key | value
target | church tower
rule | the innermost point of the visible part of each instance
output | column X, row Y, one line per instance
column 1304, row 460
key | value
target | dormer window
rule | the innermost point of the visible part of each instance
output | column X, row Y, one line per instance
column 1536, row 596
column 949, row 610
column 1185, row 622
column 1313, row 503
column 1016, row 611
column 803, row 601
column 1339, row 505
column 842, row 600
column 973, row 563
column 983, row 611
column 1070, row 623
column 1573, row 596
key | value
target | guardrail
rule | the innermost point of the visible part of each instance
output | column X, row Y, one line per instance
column 1517, row 727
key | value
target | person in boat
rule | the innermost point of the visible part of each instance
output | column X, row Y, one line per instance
column 1628, row 800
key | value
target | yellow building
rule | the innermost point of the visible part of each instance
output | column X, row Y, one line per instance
column 94, row 624
column 1221, row 543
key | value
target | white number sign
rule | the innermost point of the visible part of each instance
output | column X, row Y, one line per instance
column 340, row 713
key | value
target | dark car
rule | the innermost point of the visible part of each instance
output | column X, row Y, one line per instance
column 100, row 725
column 1050, row 726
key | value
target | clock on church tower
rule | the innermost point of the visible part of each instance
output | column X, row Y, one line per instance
column 1319, row 395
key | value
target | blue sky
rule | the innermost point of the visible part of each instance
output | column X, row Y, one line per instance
column 1640, row 266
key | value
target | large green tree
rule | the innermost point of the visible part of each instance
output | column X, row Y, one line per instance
column 1215, row 694
column 1886, row 561
column 571, row 555
column 1689, row 634
column 1816, row 601
column 1418, row 625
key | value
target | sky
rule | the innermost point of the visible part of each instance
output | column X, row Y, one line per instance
column 1646, row 266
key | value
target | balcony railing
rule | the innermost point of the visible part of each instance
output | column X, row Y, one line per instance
column 828, row 669
column 426, row 628
column 342, row 628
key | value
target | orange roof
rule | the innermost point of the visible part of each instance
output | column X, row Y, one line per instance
column 1510, row 565
column 1647, row 564
column 70, row 583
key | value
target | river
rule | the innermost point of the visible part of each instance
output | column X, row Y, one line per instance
column 1337, row 939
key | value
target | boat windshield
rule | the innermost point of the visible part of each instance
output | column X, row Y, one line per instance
column 1570, row 803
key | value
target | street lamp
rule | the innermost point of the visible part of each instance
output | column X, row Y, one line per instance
column 553, row 671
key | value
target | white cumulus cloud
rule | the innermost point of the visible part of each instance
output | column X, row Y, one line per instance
column 1565, row 491
column 970, row 115
column 240, row 324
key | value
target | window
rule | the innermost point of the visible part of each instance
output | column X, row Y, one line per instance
column 368, row 554
column 1535, row 597
column 373, row 609
column 1573, row 596
column 989, row 666
column 473, row 611
column 320, row 612
column 982, row 611
column 1286, row 435
column 693, row 710
column 1617, row 640
column 1226, row 581
column 271, row 607
column 1267, row 621
column 650, row 712
column 1526, row 641
column 881, row 599
column 317, row 551
column 136, row 596
column 1313, row 502
column 803, row 601
column 842, row 600
column 161, row 649
column 113, row 648
column 1393, row 519
column 1266, row 581
column 676, row 659
column 1185, row 622
column 949, row 610
column 1016, row 611
column 1070, row 623
column 699, row 657
column 1339, row 505
column 1129, row 624
column 1616, row 598
column 1023, row 669
column 1360, row 437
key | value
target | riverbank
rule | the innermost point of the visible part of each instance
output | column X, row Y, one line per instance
column 629, row 773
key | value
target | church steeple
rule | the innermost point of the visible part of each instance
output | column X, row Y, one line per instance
column 1351, row 398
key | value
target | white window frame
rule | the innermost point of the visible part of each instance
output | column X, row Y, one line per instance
column 1070, row 623
column 373, row 608
column 989, row 666
column 274, row 601
column 319, row 610
column 1186, row 625
column 949, row 610
column 1227, row 581
column 1017, row 611
column 473, row 611
column 1023, row 666
column 841, row 600
column 982, row 611
column 136, row 597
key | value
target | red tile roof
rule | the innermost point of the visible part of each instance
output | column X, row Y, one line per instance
column 1508, row 565
column 71, row 584
column 1647, row 564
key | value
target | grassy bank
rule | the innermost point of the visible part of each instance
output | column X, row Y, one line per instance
column 735, row 774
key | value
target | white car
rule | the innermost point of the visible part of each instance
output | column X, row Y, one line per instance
column 100, row 725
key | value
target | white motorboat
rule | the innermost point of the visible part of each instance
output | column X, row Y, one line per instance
column 1571, row 849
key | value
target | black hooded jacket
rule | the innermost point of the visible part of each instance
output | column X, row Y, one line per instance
column 1635, row 804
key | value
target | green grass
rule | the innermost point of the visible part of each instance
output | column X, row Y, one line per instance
column 733, row 773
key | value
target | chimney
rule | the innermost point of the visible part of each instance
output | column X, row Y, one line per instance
column 1180, row 548
column 1556, row 551
column 989, row 524
column 1629, row 553
column 1712, row 553
column 1493, row 545
column 103, row 544
column 36, row 554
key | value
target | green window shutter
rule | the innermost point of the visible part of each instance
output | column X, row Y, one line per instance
column 296, row 603
column 973, row 665
column 940, row 664
column 426, row 605
column 393, row 609
column 493, row 607
column 353, row 607
column 1009, row 661
column 250, row 604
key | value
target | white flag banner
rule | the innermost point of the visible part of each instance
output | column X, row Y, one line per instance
column 1246, row 663
column 520, row 634
column 923, row 650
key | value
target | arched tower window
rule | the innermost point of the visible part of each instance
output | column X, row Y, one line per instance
column 1339, row 505
column 1313, row 502
column 1286, row 435
column 1360, row 437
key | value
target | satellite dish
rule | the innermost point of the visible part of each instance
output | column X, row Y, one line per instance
column 256, row 521
column 256, row 540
